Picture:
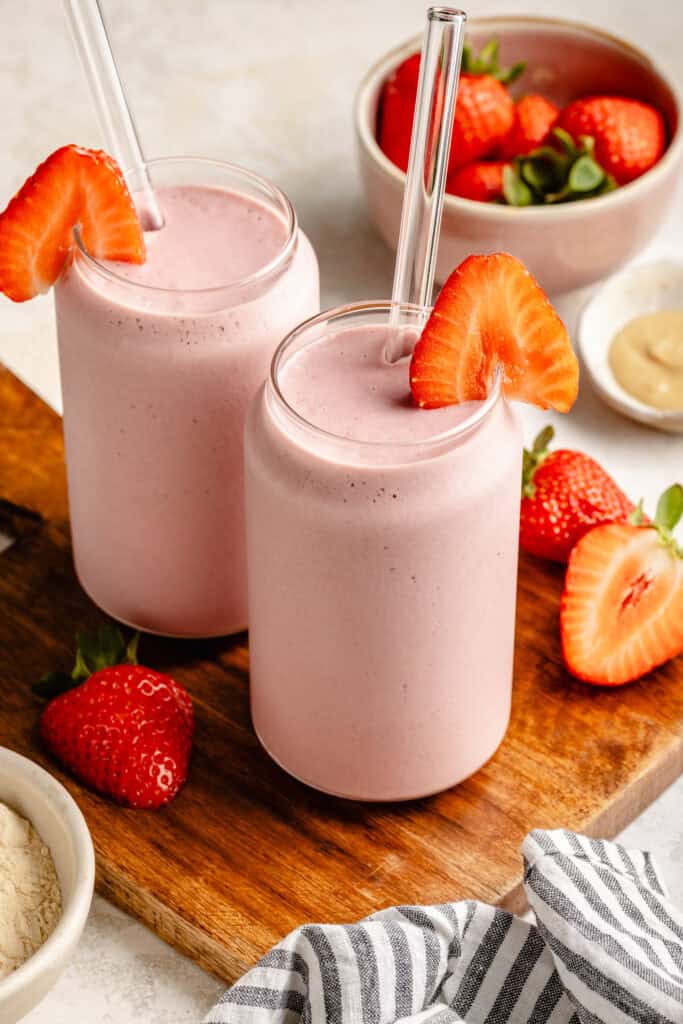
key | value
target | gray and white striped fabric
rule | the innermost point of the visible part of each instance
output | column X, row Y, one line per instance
column 606, row 948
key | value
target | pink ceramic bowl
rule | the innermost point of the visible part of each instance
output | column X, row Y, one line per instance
column 565, row 246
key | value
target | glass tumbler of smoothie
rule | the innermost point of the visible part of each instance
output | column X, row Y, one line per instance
column 382, row 594
column 159, row 362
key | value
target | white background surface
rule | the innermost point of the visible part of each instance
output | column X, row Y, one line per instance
column 269, row 84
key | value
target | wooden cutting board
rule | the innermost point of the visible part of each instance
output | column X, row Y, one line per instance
column 245, row 853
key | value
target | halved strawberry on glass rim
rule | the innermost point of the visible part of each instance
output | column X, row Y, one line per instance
column 492, row 313
column 74, row 186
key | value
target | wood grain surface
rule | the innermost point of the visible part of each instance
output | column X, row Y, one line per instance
column 246, row 853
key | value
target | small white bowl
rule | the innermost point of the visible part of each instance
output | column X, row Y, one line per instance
column 570, row 245
column 643, row 289
column 32, row 792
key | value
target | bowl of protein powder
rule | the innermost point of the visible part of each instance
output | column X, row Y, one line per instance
column 47, row 874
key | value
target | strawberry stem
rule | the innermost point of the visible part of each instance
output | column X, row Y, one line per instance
column 533, row 458
column 637, row 517
column 670, row 508
column 486, row 63
column 132, row 649
column 667, row 517
column 95, row 651
column 556, row 174
column 54, row 683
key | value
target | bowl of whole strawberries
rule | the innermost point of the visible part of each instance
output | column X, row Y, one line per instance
column 566, row 148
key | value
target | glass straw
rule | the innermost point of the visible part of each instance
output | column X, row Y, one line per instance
column 428, row 164
column 116, row 121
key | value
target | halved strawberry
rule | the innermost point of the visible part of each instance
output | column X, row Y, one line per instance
column 72, row 187
column 492, row 313
column 622, row 607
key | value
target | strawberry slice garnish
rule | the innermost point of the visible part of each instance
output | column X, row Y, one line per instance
column 126, row 731
column 72, row 187
column 622, row 607
column 565, row 494
column 492, row 313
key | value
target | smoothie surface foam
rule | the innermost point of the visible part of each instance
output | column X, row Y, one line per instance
column 342, row 383
column 211, row 237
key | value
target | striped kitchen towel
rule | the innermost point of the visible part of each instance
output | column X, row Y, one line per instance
column 606, row 948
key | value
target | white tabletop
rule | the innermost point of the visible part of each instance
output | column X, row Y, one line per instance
column 269, row 85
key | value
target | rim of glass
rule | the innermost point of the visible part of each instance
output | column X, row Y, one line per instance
column 249, row 279
column 388, row 307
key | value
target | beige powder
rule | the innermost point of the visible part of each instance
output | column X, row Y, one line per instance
column 30, row 898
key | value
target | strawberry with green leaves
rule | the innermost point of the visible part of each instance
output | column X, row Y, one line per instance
column 622, row 607
column 484, row 111
column 119, row 727
column 565, row 493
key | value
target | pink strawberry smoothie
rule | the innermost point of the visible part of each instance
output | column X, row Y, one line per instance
column 159, row 363
column 382, row 593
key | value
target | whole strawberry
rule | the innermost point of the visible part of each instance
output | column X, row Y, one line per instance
column 629, row 136
column 534, row 116
column 126, row 731
column 484, row 110
column 397, row 106
column 481, row 181
column 564, row 494
column 622, row 608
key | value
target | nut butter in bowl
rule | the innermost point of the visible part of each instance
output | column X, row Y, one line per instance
column 631, row 341
column 646, row 358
